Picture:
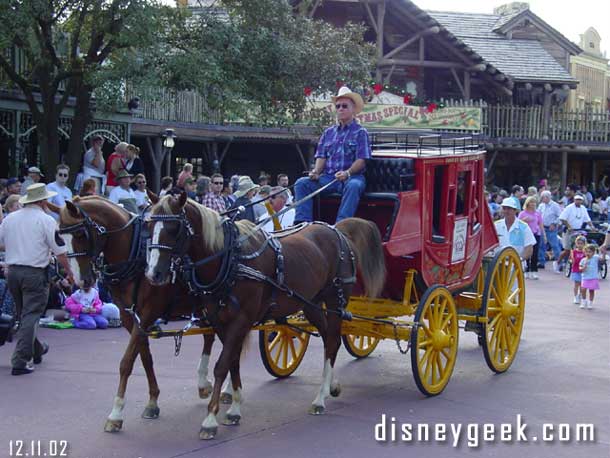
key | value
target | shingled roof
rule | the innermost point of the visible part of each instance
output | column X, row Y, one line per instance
column 521, row 60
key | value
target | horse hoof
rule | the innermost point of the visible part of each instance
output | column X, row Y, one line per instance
column 335, row 391
column 208, row 433
column 316, row 410
column 226, row 398
column 231, row 420
column 205, row 392
column 151, row 412
column 113, row 426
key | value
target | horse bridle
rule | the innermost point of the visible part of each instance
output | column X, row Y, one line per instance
column 185, row 232
column 92, row 231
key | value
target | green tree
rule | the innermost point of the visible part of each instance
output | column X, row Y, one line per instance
column 67, row 45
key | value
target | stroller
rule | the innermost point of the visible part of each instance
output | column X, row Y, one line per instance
column 595, row 237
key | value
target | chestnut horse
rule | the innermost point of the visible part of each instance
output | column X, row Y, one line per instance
column 94, row 225
column 258, row 277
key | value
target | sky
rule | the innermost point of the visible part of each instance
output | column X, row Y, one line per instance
column 569, row 17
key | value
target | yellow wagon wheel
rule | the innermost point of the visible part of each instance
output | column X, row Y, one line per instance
column 282, row 350
column 434, row 341
column 359, row 346
column 503, row 307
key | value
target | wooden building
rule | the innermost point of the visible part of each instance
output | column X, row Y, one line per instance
column 593, row 74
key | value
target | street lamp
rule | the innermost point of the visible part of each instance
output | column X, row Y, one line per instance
column 169, row 137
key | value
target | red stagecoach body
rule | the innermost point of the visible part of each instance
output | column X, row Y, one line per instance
column 429, row 206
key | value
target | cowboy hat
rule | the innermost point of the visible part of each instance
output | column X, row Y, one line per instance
column 245, row 185
column 36, row 193
column 123, row 174
column 346, row 93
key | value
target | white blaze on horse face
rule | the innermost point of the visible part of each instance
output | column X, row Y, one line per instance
column 74, row 265
column 154, row 252
column 327, row 376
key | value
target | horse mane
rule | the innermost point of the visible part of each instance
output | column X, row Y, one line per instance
column 68, row 220
column 211, row 229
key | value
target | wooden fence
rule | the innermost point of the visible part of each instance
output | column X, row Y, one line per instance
column 497, row 121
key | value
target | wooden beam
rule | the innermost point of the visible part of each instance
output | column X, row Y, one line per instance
column 467, row 85
column 315, row 7
column 564, row 169
column 302, row 156
column 459, row 83
column 389, row 75
column 421, row 63
column 225, row 150
column 371, row 17
column 412, row 40
column 477, row 68
column 380, row 21
column 422, row 49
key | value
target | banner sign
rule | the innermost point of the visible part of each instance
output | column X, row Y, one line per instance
column 414, row 117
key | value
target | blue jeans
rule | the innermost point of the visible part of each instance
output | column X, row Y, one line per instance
column 351, row 191
column 551, row 237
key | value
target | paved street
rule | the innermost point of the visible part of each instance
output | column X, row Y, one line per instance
column 561, row 375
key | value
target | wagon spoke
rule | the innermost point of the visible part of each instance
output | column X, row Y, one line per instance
column 424, row 343
column 432, row 360
column 425, row 359
column 276, row 340
column 441, row 312
column 446, row 354
column 439, row 366
column 513, row 294
column 512, row 278
column 445, row 322
column 292, row 349
column 426, row 330
column 285, row 352
column 493, row 323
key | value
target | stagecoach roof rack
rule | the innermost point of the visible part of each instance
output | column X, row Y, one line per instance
column 401, row 143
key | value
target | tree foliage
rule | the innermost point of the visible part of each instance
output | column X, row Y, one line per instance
column 251, row 59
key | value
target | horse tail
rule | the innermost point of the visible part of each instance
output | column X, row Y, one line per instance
column 365, row 240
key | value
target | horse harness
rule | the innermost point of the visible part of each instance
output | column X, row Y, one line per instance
column 117, row 272
column 232, row 265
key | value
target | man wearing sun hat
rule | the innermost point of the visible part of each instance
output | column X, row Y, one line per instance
column 246, row 189
column 341, row 154
column 123, row 194
column 29, row 236
column 514, row 232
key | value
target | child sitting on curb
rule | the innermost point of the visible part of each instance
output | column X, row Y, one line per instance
column 85, row 308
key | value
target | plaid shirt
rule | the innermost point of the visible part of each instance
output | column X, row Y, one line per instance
column 214, row 202
column 341, row 146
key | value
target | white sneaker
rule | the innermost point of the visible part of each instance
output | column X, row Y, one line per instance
column 589, row 305
column 577, row 299
column 534, row 275
column 583, row 303
column 556, row 267
column 527, row 275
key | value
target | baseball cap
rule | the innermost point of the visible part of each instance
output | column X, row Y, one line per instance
column 12, row 181
column 579, row 196
column 510, row 202
column 35, row 170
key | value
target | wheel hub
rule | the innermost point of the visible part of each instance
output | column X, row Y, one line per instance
column 441, row 340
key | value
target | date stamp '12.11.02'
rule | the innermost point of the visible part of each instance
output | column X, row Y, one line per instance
column 37, row 448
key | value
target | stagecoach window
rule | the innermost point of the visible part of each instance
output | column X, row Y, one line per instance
column 439, row 182
column 463, row 180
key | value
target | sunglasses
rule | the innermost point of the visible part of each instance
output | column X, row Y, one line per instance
column 345, row 106
column 217, row 182
column 62, row 174
column 141, row 182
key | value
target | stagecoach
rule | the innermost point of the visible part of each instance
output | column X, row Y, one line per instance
column 423, row 216
column 425, row 194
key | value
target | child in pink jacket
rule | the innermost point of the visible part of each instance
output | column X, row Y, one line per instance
column 85, row 309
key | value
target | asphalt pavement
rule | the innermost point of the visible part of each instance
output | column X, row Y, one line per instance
column 560, row 379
